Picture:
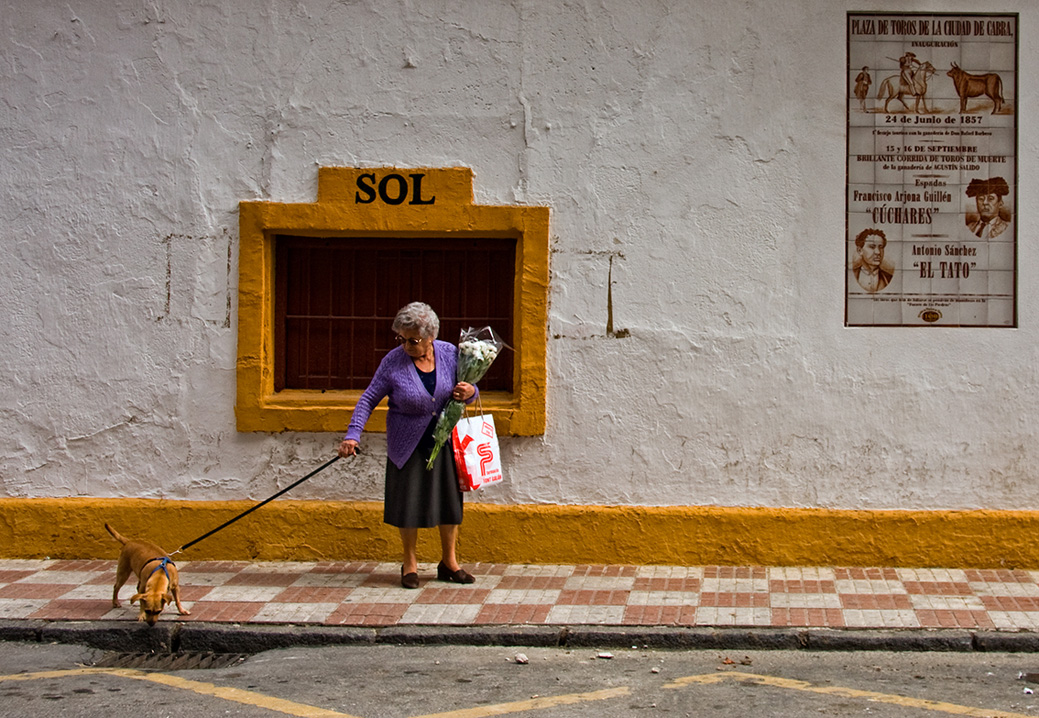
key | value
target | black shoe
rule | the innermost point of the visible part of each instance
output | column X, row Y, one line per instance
column 459, row 576
column 408, row 580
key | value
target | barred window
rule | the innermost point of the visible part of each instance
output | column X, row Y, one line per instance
column 336, row 297
column 320, row 282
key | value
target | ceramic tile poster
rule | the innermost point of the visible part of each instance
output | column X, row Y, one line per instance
column 932, row 170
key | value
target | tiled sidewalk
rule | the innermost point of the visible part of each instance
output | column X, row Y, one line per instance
column 369, row 594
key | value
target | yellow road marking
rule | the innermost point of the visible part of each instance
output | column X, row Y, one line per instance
column 533, row 704
column 207, row 689
column 952, row 708
column 306, row 711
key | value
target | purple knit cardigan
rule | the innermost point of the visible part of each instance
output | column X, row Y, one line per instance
column 411, row 407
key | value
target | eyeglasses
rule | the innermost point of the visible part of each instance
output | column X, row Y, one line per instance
column 409, row 342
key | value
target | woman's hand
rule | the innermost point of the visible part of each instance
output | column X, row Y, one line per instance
column 347, row 448
column 463, row 391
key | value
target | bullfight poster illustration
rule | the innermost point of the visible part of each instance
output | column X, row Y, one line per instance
column 931, row 220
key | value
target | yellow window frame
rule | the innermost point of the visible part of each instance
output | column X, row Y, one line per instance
column 363, row 202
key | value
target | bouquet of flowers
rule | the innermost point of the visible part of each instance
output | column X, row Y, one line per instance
column 477, row 349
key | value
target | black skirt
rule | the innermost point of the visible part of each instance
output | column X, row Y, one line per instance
column 420, row 499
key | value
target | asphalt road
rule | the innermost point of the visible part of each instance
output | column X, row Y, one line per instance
column 42, row 680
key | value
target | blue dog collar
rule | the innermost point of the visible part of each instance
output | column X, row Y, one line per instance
column 164, row 561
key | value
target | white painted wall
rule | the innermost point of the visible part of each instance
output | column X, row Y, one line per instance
column 699, row 144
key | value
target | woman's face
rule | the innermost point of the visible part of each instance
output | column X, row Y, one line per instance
column 415, row 345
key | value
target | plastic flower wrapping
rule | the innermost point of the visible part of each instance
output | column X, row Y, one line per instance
column 477, row 350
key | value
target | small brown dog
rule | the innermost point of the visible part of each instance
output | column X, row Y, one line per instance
column 157, row 583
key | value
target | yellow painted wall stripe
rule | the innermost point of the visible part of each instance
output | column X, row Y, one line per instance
column 289, row 530
column 236, row 695
column 791, row 684
column 540, row 703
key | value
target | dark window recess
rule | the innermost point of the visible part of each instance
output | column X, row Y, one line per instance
column 335, row 299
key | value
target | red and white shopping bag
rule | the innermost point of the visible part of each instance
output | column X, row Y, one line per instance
column 477, row 456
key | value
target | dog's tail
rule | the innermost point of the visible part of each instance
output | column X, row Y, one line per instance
column 115, row 534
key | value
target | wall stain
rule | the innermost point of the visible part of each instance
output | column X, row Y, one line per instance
column 620, row 333
column 167, row 244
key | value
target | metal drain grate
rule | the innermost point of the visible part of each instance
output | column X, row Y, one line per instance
column 170, row 661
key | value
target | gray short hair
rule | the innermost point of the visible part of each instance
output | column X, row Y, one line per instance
column 419, row 317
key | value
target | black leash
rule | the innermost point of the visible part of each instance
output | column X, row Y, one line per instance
column 262, row 503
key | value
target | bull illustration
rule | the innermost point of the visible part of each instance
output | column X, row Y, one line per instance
column 968, row 85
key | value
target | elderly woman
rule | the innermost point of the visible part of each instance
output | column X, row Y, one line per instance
column 419, row 378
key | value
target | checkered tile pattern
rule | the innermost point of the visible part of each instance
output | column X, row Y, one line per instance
column 369, row 594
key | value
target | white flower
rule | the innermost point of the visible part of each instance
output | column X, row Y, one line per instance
column 474, row 359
